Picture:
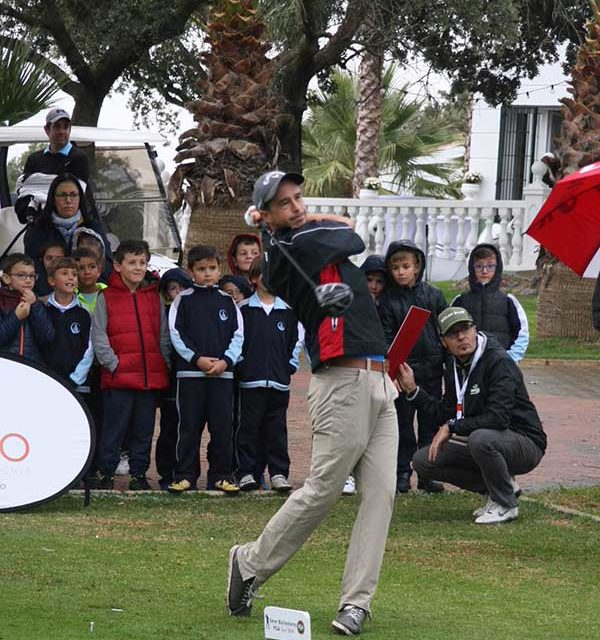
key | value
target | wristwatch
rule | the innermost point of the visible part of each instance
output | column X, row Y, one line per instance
column 451, row 423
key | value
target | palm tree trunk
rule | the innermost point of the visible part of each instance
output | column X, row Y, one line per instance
column 368, row 121
column 565, row 305
column 216, row 226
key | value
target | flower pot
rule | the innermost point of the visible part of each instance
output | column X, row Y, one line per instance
column 470, row 190
column 363, row 194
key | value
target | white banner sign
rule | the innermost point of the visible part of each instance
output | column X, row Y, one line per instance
column 46, row 436
column 286, row 624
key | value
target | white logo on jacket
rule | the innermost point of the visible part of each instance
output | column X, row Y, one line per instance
column 75, row 328
column 281, row 326
column 474, row 390
column 223, row 315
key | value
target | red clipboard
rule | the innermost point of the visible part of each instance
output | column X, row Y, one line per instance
column 406, row 338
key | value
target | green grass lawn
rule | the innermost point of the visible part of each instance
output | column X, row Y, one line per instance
column 540, row 348
column 162, row 561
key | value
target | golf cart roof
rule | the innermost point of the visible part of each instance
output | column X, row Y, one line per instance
column 20, row 134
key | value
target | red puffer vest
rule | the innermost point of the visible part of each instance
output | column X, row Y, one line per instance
column 133, row 329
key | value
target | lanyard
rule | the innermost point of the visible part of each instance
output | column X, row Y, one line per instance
column 461, row 389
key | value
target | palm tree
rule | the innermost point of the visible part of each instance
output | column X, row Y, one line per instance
column 25, row 86
column 235, row 138
column 407, row 142
column 369, row 112
column 564, row 302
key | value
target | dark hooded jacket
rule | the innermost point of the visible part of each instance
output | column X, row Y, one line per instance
column 23, row 337
column 44, row 231
column 322, row 249
column 427, row 357
column 495, row 312
column 495, row 397
column 240, row 282
column 251, row 237
column 177, row 274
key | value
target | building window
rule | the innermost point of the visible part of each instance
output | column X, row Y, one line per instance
column 525, row 134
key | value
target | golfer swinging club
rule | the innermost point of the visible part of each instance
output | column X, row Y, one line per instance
column 351, row 400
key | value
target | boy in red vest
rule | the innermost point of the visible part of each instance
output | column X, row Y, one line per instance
column 131, row 340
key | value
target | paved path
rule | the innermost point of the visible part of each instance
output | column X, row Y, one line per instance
column 567, row 396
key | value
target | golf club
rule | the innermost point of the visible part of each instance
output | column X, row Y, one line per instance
column 334, row 298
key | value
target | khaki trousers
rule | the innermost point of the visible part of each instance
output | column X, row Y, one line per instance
column 354, row 428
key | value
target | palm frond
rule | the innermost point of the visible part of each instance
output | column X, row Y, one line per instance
column 407, row 141
column 25, row 86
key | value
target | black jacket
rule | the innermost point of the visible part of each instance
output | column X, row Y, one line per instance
column 71, row 350
column 42, row 232
column 23, row 337
column 495, row 397
column 427, row 357
column 53, row 164
column 205, row 321
column 322, row 249
column 269, row 355
column 494, row 311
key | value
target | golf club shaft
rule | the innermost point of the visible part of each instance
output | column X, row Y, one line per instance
column 298, row 268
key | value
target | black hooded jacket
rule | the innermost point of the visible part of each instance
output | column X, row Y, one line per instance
column 427, row 357
column 322, row 249
column 495, row 312
column 495, row 397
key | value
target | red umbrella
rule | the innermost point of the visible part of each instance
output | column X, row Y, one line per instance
column 568, row 224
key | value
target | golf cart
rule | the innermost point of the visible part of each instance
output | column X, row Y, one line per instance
column 125, row 176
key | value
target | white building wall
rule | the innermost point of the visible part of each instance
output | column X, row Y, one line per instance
column 544, row 91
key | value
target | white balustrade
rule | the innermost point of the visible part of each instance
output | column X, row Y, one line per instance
column 446, row 230
column 460, row 233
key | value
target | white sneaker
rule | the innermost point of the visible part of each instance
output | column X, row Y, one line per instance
column 248, row 483
column 481, row 510
column 496, row 513
column 123, row 466
column 280, row 483
column 484, row 507
column 349, row 486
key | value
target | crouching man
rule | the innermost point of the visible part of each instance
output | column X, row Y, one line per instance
column 490, row 430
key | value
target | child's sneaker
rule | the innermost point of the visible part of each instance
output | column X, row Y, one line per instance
column 349, row 486
column 227, row 486
column 106, row 482
column 123, row 466
column 280, row 483
column 248, row 483
column 179, row 486
column 139, row 483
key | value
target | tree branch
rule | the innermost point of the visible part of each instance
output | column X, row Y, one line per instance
column 356, row 11
column 52, row 21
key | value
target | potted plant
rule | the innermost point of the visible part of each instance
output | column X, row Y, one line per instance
column 370, row 189
column 470, row 184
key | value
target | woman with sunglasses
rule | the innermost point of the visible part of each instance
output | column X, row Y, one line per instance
column 64, row 213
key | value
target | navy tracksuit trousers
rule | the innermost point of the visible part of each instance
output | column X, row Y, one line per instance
column 262, row 432
column 427, row 426
column 201, row 401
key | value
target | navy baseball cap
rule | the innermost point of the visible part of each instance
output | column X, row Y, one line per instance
column 266, row 186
